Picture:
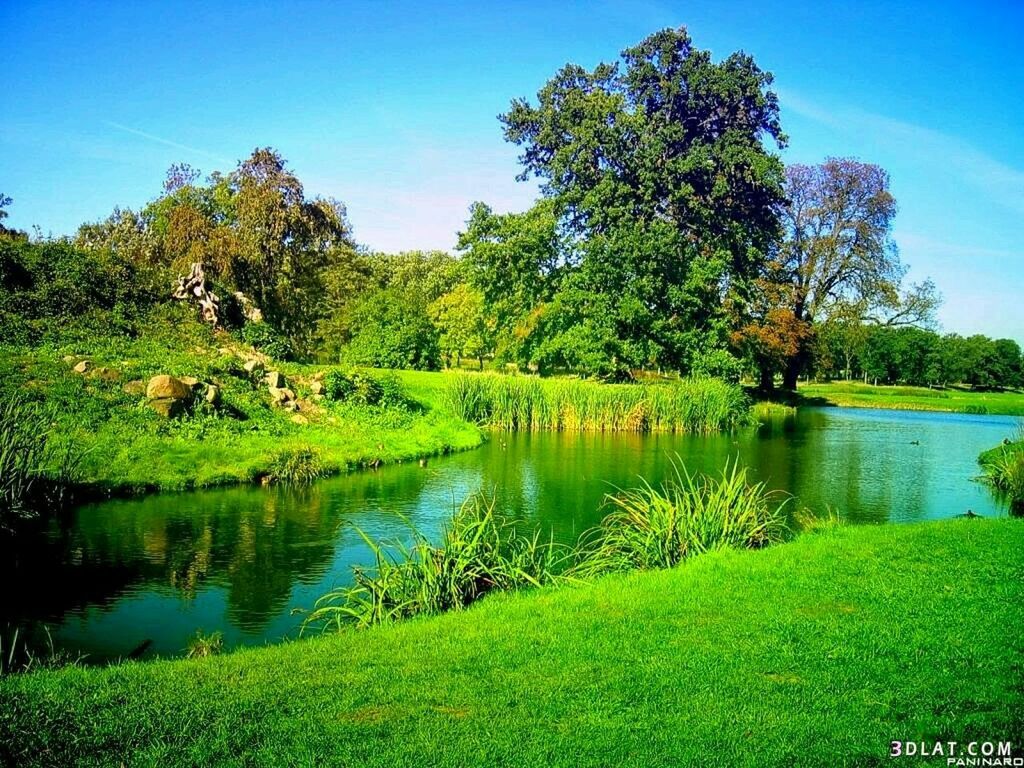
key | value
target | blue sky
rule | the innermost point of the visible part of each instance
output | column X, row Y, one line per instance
column 392, row 108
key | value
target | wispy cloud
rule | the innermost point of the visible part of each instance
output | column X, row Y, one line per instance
column 167, row 142
column 999, row 182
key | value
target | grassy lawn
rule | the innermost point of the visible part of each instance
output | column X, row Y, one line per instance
column 817, row 652
column 954, row 400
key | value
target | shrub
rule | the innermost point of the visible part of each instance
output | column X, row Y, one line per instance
column 267, row 340
column 363, row 389
column 202, row 645
column 1003, row 469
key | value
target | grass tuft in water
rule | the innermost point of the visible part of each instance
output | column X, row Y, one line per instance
column 202, row 645
column 1003, row 467
column 687, row 515
column 297, row 466
column 480, row 551
column 694, row 405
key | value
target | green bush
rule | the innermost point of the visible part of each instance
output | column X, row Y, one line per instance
column 359, row 388
column 267, row 340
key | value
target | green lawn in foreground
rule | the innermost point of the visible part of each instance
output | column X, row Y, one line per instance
column 817, row 652
column 912, row 398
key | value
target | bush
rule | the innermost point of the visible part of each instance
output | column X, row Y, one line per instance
column 267, row 340
column 297, row 466
column 363, row 389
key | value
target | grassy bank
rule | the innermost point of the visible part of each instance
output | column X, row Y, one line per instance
column 528, row 403
column 952, row 400
column 818, row 652
column 122, row 445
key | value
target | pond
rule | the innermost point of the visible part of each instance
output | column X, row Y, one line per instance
column 143, row 575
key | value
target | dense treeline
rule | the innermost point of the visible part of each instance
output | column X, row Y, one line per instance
column 669, row 236
column 887, row 355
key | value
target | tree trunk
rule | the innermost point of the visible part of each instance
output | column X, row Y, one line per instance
column 791, row 372
column 767, row 383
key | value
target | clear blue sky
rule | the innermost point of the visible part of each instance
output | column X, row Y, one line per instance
column 391, row 107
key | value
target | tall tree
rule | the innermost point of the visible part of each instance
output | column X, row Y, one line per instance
column 658, row 173
column 838, row 250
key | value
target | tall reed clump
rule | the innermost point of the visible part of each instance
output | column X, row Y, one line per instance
column 32, row 471
column 296, row 466
column 480, row 551
column 694, row 405
column 1003, row 468
column 687, row 515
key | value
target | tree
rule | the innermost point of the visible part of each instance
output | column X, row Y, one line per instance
column 838, row 250
column 656, row 171
column 461, row 322
column 391, row 329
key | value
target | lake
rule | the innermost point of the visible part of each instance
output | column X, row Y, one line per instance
column 113, row 577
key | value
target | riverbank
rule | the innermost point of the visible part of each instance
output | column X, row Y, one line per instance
column 817, row 652
column 950, row 400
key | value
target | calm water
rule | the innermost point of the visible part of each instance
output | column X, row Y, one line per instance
column 119, row 574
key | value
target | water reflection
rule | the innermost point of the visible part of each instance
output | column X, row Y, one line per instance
column 112, row 576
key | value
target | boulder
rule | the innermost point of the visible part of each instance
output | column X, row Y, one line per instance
column 167, row 407
column 69, row 358
column 281, row 395
column 298, row 418
column 275, row 379
column 212, row 395
column 317, row 387
column 190, row 381
column 82, row 367
column 167, row 387
column 136, row 388
column 253, row 367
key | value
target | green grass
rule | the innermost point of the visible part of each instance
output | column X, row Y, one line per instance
column 121, row 445
column 695, row 405
column 953, row 399
column 817, row 652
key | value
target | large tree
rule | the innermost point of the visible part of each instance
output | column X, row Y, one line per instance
column 657, row 170
column 838, row 253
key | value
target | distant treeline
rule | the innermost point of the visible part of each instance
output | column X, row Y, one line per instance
column 918, row 357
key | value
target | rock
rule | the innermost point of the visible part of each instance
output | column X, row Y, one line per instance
column 212, row 395
column 82, row 367
column 106, row 374
column 253, row 367
column 69, row 358
column 317, row 387
column 190, row 381
column 298, row 418
column 291, row 405
column 167, row 407
column 167, row 387
column 281, row 395
column 275, row 379
column 136, row 388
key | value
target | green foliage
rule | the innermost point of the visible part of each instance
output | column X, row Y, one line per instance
column 686, row 516
column 297, row 466
column 479, row 552
column 391, row 329
column 384, row 389
column 267, row 340
column 528, row 403
column 664, row 195
column 461, row 323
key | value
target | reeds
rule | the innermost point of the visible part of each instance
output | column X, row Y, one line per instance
column 297, row 466
column 694, row 405
column 479, row 552
column 687, row 515
column 32, row 471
